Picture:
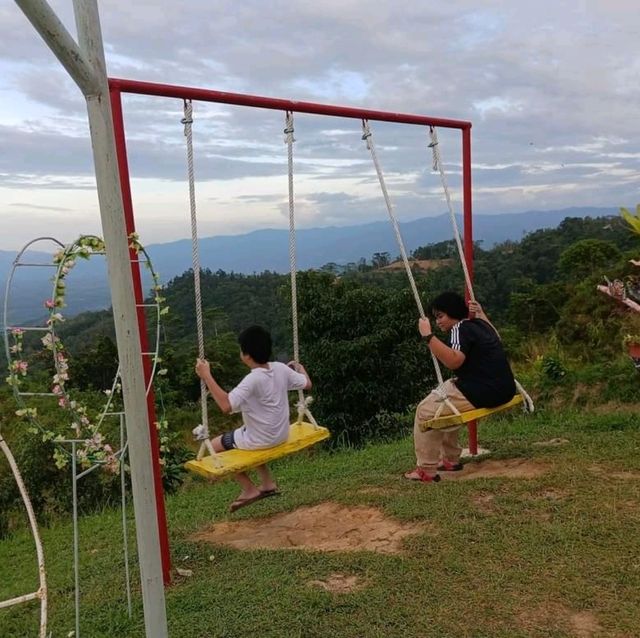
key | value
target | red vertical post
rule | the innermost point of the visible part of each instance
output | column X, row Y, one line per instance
column 468, row 244
column 125, row 187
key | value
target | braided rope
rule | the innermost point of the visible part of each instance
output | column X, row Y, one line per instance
column 289, row 140
column 187, row 120
column 303, row 403
column 368, row 138
column 437, row 166
column 527, row 401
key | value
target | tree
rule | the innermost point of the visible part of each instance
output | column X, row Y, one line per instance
column 95, row 368
column 584, row 257
column 361, row 348
column 380, row 260
column 537, row 309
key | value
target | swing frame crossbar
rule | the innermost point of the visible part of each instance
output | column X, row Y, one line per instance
column 119, row 86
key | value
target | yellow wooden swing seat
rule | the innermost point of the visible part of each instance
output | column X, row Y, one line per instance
column 301, row 435
column 451, row 420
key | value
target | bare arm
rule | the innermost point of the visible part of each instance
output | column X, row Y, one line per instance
column 219, row 395
column 298, row 367
column 479, row 313
column 451, row 358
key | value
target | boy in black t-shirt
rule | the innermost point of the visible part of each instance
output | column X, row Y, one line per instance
column 483, row 380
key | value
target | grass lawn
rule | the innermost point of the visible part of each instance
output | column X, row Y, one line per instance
column 557, row 554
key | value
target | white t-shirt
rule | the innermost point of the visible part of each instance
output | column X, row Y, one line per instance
column 262, row 398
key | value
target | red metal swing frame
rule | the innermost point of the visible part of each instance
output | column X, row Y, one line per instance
column 119, row 86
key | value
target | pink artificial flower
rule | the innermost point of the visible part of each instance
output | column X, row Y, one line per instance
column 112, row 464
column 49, row 303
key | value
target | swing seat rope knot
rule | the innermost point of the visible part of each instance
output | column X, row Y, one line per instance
column 200, row 432
column 303, row 404
column 439, row 391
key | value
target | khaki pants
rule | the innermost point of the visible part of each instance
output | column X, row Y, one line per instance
column 435, row 445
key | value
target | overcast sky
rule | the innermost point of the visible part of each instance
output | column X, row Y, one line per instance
column 552, row 89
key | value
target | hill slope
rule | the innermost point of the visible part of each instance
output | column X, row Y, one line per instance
column 268, row 249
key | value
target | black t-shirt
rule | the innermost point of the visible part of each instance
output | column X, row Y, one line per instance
column 485, row 377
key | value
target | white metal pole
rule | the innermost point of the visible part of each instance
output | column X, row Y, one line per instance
column 123, row 495
column 122, row 299
column 126, row 323
column 60, row 41
column 76, row 542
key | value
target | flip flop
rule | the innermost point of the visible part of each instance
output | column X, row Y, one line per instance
column 243, row 502
column 274, row 492
column 420, row 475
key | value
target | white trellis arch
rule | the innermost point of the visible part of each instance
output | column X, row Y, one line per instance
column 41, row 592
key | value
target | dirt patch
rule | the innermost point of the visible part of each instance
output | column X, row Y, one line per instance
column 328, row 527
column 584, row 393
column 506, row 468
column 419, row 264
column 615, row 407
column 626, row 507
column 551, row 443
column 339, row 583
column 485, row 503
column 546, row 496
column 584, row 624
column 554, row 616
column 552, row 494
column 625, row 475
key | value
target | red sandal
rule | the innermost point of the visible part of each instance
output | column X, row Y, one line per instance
column 448, row 466
column 419, row 474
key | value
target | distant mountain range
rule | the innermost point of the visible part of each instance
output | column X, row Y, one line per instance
column 262, row 250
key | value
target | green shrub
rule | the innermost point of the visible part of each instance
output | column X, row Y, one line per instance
column 552, row 369
column 363, row 353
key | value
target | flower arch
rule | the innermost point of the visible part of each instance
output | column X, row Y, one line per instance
column 85, row 424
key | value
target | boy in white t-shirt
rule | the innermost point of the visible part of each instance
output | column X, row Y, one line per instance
column 262, row 398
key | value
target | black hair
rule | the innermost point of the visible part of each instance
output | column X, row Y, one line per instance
column 452, row 304
column 256, row 342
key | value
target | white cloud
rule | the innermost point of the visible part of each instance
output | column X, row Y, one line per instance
column 552, row 89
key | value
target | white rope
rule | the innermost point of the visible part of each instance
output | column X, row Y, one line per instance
column 200, row 432
column 368, row 138
column 527, row 401
column 187, row 120
column 303, row 403
column 437, row 166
